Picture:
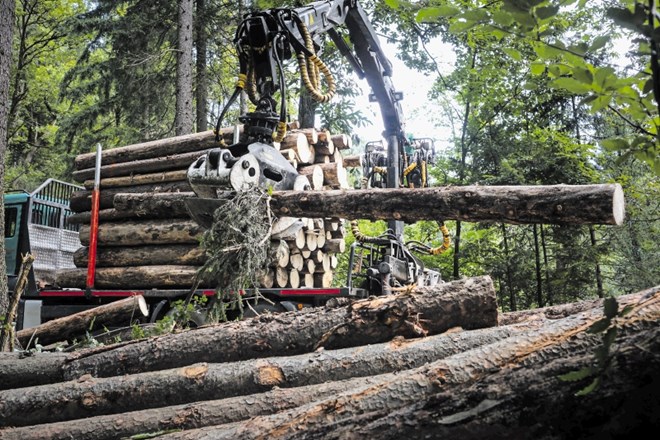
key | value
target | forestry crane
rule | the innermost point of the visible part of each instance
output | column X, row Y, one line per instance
column 264, row 41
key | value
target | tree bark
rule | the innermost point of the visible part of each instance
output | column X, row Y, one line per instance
column 186, row 416
column 507, row 389
column 70, row 400
column 201, row 89
column 561, row 204
column 352, row 162
column 148, row 255
column 468, row 303
column 21, row 369
column 112, row 215
column 162, row 163
column 183, row 123
column 7, row 12
column 146, row 204
column 77, row 324
column 155, row 149
column 137, row 277
column 140, row 179
column 144, row 232
column 82, row 200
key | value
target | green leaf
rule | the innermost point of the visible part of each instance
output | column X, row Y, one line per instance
column 394, row 4
column 583, row 75
column 600, row 103
column 589, row 388
column 599, row 326
column 577, row 375
column 513, row 53
column 648, row 86
column 614, row 144
column 599, row 43
column 432, row 14
column 537, row 68
column 546, row 12
column 476, row 15
column 570, row 84
column 502, row 18
column 611, row 307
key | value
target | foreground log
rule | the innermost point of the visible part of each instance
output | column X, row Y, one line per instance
column 60, row 329
column 555, row 204
column 148, row 255
column 26, row 367
column 186, row 416
column 138, row 277
column 468, row 303
column 552, row 204
column 508, row 389
column 144, row 204
column 144, row 232
column 50, row 403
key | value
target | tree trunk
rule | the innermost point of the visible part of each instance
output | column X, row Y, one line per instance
column 537, row 268
column 507, row 389
column 137, row 277
column 186, row 416
column 82, row 200
column 140, row 179
column 201, row 39
column 468, row 303
column 144, row 232
column 599, row 277
column 149, row 255
column 65, row 328
column 155, row 149
column 159, row 163
column 7, row 8
column 183, row 123
column 148, row 204
column 69, row 400
column 563, row 204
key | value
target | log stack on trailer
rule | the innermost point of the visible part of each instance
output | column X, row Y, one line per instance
column 157, row 246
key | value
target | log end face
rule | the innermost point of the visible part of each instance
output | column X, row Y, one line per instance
column 141, row 304
column 618, row 205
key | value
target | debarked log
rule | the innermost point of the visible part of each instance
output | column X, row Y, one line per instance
column 549, row 204
column 143, row 232
column 508, row 389
column 69, row 400
column 147, row 255
column 468, row 303
column 138, row 277
column 82, row 200
column 65, row 328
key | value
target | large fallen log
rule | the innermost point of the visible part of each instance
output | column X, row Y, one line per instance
column 148, row 255
column 468, row 303
column 67, row 327
column 138, row 277
column 554, row 204
column 144, row 232
column 70, row 400
column 508, row 389
column 186, row 416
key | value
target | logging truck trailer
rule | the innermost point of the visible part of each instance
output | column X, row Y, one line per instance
column 36, row 223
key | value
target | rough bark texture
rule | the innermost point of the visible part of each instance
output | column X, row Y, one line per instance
column 113, row 215
column 557, row 204
column 154, row 204
column 508, row 389
column 154, row 149
column 144, row 232
column 148, row 255
column 50, row 403
column 82, row 200
column 138, row 277
column 183, row 123
column 20, row 369
column 139, row 179
column 60, row 329
column 468, row 303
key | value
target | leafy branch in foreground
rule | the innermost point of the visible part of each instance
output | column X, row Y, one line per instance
column 603, row 357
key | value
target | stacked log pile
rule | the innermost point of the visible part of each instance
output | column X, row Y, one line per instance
column 428, row 363
column 158, row 246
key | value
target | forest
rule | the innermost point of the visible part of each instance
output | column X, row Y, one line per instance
column 540, row 93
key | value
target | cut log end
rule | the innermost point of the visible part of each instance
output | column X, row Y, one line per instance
column 618, row 205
